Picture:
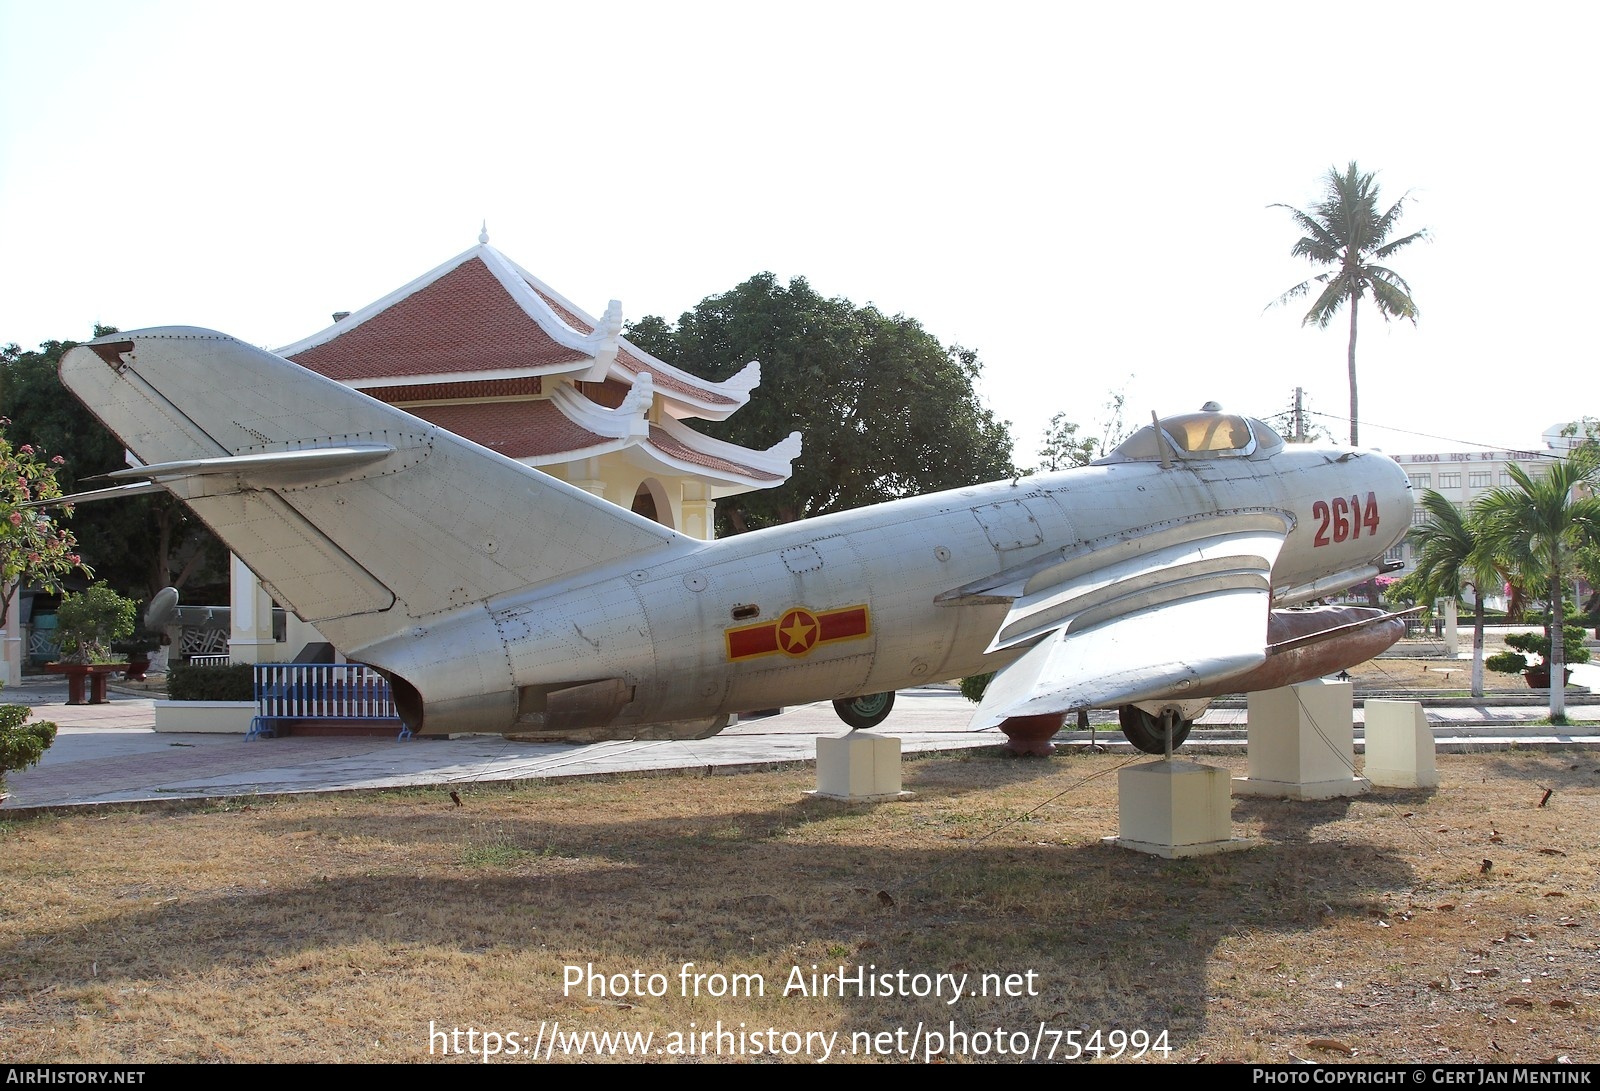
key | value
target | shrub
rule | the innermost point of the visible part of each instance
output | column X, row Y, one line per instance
column 90, row 621
column 1526, row 644
column 22, row 744
column 235, row 682
column 973, row 688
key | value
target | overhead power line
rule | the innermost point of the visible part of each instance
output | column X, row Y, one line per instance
column 1443, row 439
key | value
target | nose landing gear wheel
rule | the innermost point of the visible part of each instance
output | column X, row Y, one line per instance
column 868, row 710
column 1149, row 733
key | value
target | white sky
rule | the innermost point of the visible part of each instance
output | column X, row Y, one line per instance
column 1077, row 191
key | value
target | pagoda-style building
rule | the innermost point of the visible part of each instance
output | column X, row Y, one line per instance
column 485, row 349
column 481, row 347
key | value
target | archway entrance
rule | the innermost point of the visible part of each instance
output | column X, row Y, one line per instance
column 651, row 502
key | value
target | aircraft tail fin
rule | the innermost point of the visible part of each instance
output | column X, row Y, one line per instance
column 357, row 515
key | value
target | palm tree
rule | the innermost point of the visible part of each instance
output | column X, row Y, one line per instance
column 1346, row 231
column 1451, row 553
column 1536, row 529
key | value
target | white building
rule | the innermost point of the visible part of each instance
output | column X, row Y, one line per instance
column 1463, row 476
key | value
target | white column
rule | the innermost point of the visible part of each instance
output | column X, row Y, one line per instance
column 594, row 486
column 11, row 639
column 250, row 636
column 11, row 661
column 697, row 516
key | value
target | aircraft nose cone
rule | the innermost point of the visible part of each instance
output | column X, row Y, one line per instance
column 1395, row 500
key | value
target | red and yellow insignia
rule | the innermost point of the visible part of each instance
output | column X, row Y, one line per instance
column 797, row 632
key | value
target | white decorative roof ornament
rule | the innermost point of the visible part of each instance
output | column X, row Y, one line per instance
column 601, row 343
column 786, row 450
column 636, row 406
column 747, row 379
column 483, row 234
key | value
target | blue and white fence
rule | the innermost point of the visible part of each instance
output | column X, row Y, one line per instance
column 354, row 692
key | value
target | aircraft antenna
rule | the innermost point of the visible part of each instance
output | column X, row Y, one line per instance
column 1161, row 441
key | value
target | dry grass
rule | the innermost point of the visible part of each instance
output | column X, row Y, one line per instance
column 1430, row 674
column 1401, row 926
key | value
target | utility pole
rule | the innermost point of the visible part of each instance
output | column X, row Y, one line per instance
column 1299, row 417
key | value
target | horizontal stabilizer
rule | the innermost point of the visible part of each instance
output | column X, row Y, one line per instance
column 265, row 463
column 137, row 488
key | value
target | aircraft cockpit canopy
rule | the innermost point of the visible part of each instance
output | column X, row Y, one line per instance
column 1208, row 434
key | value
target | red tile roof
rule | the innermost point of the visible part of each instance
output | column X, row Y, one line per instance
column 463, row 322
column 524, row 429
column 484, row 388
column 674, row 448
column 633, row 363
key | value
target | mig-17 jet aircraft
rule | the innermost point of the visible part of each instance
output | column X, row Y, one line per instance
column 496, row 598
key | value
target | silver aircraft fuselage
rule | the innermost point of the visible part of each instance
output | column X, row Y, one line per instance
column 685, row 631
column 496, row 598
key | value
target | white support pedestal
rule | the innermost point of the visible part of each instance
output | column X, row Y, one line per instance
column 1399, row 745
column 860, row 767
column 1175, row 808
column 1302, row 743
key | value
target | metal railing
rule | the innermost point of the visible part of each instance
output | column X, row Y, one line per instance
column 321, row 691
column 210, row 660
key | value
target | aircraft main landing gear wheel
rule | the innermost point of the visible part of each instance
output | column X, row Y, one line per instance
column 1149, row 733
column 868, row 710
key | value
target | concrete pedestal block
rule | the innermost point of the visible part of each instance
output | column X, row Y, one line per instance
column 210, row 717
column 860, row 767
column 1302, row 743
column 1175, row 808
column 1399, row 745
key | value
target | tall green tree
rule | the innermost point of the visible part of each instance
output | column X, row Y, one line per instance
column 1536, row 529
column 1451, row 553
column 1346, row 233
column 884, row 410
column 138, row 545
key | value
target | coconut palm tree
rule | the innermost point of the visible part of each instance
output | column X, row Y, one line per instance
column 1451, row 553
column 1346, row 231
column 1536, row 529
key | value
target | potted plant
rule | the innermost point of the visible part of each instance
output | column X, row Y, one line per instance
column 21, row 744
column 1026, row 736
column 1516, row 661
column 87, row 623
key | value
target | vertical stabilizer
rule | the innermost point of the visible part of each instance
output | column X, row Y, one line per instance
column 361, row 518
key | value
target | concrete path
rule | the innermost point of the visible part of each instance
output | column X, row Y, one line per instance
column 111, row 753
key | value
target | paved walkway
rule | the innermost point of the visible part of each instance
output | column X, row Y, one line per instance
column 111, row 753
